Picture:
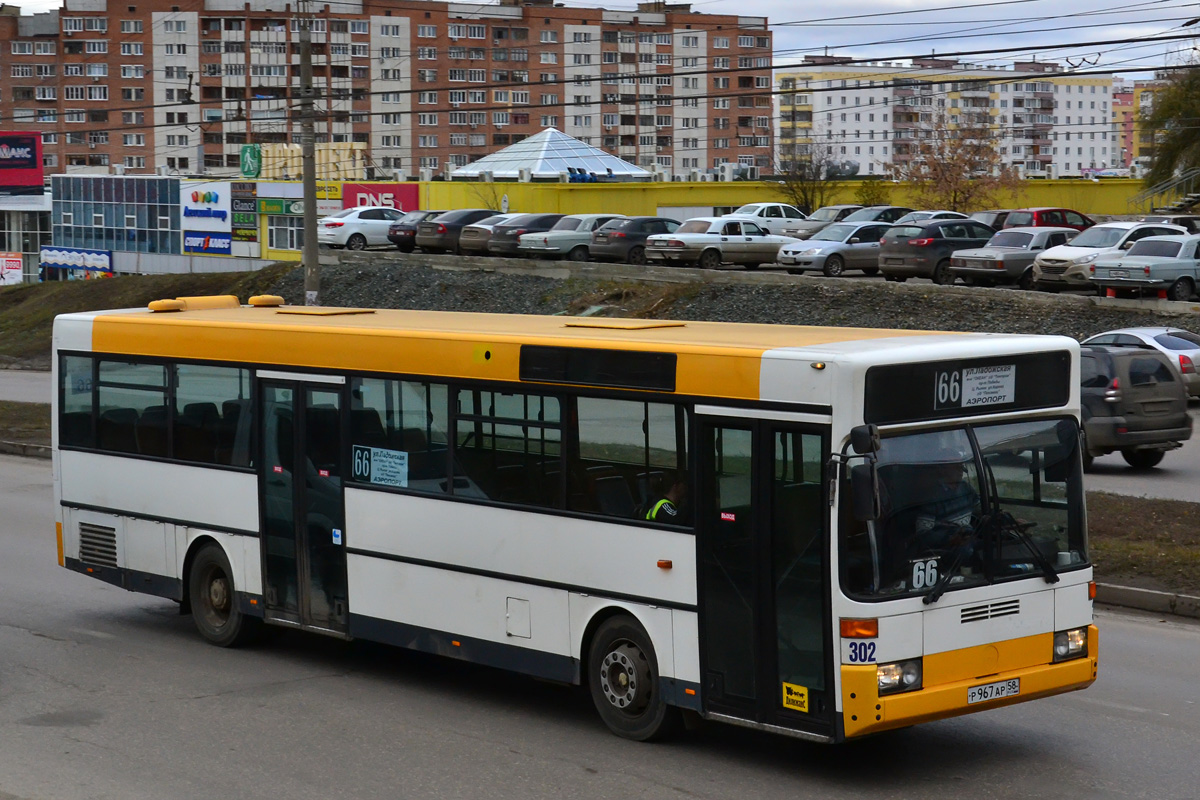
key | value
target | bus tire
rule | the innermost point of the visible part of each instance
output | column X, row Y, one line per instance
column 623, row 681
column 214, row 601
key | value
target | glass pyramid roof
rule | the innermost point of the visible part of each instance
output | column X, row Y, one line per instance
column 549, row 153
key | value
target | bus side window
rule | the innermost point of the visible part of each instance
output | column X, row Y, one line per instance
column 404, row 422
column 625, row 451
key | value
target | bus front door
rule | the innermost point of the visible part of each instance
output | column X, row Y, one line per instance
column 764, row 592
column 303, row 550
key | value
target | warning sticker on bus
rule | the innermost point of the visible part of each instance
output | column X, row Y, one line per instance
column 380, row 466
column 795, row 697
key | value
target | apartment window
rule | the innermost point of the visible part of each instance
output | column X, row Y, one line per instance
column 584, row 121
column 22, row 71
column 427, row 31
column 549, row 99
column 127, row 93
column 582, row 58
column 427, row 141
column 44, row 48
column 47, row 93
column 456, row 31
column 690, row 41
column 97, row 93
column 549, row 120
column 134, row 48
column 47, row 115
column 500, row 118
column 745, row 41
column 548, row 58
column 478, row 117
column 458, row 118
column 359, row 26
column 476, row 31
column 138, row 71
column 549, row 37
column 134, row 139
column 131, row 26
column 477, row 75
column 520, row 97
column 96, row 46
column 74, row 115
column 427, row 119
column 72, row 24
column 389, row 30
column 477, row 96
column 427, row 53
column 458, row 75
column 427, row 98
column 390, row 141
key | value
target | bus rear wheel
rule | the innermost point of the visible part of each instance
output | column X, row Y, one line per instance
column 623, row 681
column 214, row 602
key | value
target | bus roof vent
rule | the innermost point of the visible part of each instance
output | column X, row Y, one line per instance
column 321, row 311
column 624, row 324
column 196, row 303
column 266, row 301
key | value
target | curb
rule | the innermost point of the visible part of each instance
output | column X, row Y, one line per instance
column 1182, row 605
column 27, row 450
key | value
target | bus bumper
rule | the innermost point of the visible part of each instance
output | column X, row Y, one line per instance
column 945, row 693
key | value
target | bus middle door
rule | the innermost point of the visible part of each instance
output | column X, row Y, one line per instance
column 301, row 491
column 764, row 610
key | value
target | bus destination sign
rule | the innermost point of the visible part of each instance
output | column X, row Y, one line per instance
column 939, row 389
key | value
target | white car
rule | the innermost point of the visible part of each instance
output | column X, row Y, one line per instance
column 1067, row 266
column 708, row 242
column 770, row 216
column 569, row 238
column 357, row 228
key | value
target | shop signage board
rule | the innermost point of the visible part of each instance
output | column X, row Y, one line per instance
column 76, row 258
column 206, row 205
column 11, row 268
column 21, row 164
column 402, row 196
column 207, row 243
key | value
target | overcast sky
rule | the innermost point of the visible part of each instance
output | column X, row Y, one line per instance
column 891, row 29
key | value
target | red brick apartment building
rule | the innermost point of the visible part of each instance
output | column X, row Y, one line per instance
column 141, row 85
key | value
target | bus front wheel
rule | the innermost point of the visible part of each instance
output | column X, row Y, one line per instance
column 623, row 680
column 214, row 602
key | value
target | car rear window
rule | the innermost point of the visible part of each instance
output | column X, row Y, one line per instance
column 457, row 216
column 1092, row 373
column 1145, row 371
column 903, row 232
column 618, row 224
column 694, row 226
column 1019, row 219
column 1011, row 239
column 1178, row 340
column 1147, row 247
column 567, row 224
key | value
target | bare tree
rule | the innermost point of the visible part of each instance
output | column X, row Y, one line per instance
column 953, row 165
column 808, row 171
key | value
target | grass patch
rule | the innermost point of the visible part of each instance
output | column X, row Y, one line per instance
column 27, row 311
column 1145, row 542
column 27, row 423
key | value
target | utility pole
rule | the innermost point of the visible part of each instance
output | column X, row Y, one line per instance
column 308, row 160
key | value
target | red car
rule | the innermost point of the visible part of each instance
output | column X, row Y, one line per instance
column 1048, row 218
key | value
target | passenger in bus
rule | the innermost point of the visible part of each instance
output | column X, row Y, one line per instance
column 671, row 507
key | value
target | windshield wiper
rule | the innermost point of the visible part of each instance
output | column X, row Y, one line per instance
column 1009, row 524
column 970, row 537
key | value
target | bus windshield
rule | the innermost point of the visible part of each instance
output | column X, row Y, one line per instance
column 967, row 507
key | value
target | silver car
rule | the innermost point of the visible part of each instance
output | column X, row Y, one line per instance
column 841, row 246
column 1182, row 348
column 1008, row 256
column 1168, row 266
column 569, row 238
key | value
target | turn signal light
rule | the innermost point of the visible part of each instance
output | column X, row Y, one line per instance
column 665, row 563
column 1091, row 590
column 1185, row 365
column 860, row 628
column 334, row 224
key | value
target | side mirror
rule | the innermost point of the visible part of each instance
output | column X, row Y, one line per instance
column 855, row 240
column 1126, row 245
column 864, row 439
column 862, row 490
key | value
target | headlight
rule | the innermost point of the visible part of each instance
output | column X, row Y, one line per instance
column 810, row 252
column 1070, row 644
column 1087, row 259
column 902, row 676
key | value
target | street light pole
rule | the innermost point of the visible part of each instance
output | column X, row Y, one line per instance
column 308, row 160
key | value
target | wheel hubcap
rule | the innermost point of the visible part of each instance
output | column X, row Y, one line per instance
column 624, row 678
column 218, row 594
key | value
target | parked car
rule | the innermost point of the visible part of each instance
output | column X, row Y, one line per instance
column 921, row 216
column 625, row 239
column 1132, row 401
column 878, row 214
column 1189, row 221
column 709, row 242
column 506, row 237
column 441, row 235
column 993, row 219
column 357, row 228
column 1048, row 218
column 1067, row 266
column 823, row 216
column 841, row 246
column 773, row 217
column 923, row 249
column 474, row 237
column 1008, row 256
column 1166, row 265
column 569, row 237
column 403, row 232
column 1182, row 349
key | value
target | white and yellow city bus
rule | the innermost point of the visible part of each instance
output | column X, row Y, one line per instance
column 872, row 528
